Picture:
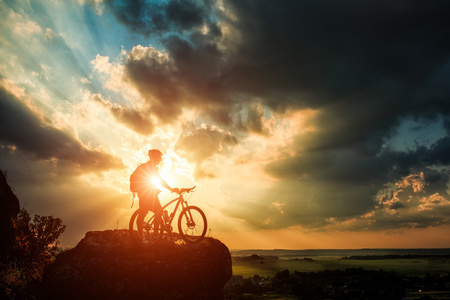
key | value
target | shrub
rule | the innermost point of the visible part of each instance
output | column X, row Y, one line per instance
column 36, row 244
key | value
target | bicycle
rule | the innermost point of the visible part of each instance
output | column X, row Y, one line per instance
column 192, row 223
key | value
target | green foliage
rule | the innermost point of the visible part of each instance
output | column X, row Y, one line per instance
column 269, row 266
column 36, row 244
column 353, row 283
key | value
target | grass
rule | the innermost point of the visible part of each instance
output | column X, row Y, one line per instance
column 438, row 295
column 269, row 266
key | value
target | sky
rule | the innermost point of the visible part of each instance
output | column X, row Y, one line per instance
column 303, row 124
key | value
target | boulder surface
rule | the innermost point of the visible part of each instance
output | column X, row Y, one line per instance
column 9, row 208
column 111, row 265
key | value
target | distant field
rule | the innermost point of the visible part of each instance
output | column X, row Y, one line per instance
column 269, row 266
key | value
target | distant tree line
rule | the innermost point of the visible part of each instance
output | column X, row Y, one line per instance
column 353, row 283
column 396, row 256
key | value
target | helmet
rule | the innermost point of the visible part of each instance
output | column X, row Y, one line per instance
column 154, row 153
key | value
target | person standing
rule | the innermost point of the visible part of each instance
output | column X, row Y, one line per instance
column 144, row 181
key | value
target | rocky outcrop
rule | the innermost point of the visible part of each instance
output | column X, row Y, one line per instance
column 109, row 265
column 9, row 208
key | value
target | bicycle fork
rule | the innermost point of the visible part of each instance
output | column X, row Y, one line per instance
column 189, row 219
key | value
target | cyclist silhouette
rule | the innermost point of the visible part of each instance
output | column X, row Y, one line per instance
column 146, row 185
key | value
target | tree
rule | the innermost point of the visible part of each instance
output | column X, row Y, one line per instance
column 36, row 243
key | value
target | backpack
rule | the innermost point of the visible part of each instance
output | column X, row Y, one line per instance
column 139, row 179
column 135, row 180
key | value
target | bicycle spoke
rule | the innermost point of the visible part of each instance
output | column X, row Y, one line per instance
column 148, row 232
column 192, row 224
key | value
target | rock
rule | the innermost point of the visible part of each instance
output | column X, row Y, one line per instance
column 9, row 208
column 110, row 265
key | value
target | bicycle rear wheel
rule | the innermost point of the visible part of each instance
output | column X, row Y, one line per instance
column 192, row 224
column 150, row 232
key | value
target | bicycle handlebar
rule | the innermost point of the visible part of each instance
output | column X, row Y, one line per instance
column 183, row 190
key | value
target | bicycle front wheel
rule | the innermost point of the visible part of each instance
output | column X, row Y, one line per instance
column 192, row 224
column 149, row 232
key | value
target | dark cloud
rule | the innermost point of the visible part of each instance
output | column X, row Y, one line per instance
column 131, row 118
column 157, row 18
column 364, row 67
column 337, row 49
column 416, row 201
column 22, row 129
column 202, row 143
column 351, row 166
column 371, row 60
column 252, row 119
column 155, row 78
column 186, row 14
column 344, row 183
column 363, row 64
column 190, row 74
column 187, row 76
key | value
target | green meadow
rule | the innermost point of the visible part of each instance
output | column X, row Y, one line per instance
column 268, row 266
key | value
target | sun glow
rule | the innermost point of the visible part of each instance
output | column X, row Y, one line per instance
column 156, row 182
column 176, row 171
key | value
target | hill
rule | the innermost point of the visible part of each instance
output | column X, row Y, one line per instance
column 109, row 265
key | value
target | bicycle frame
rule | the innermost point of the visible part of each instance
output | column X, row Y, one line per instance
column 180, row 201
column 192, row 222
